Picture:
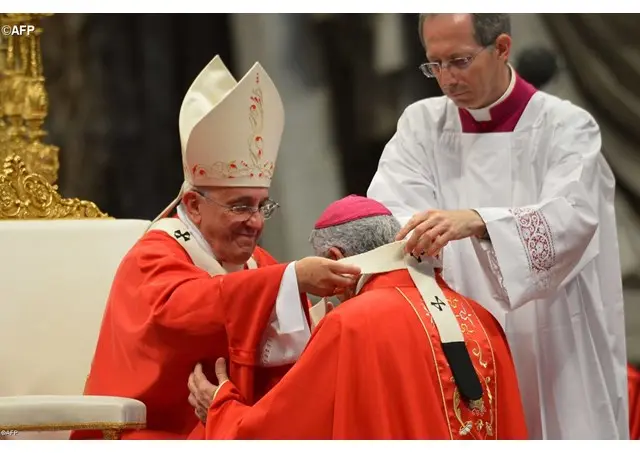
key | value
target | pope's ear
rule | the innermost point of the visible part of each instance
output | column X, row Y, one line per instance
column 192, row 205
column 334, row 253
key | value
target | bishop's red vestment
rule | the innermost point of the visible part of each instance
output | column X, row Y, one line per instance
column 375, row 369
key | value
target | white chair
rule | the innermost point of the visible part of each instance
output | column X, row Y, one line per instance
column 55, row 277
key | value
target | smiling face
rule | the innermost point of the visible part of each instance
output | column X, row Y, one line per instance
column 471, row 75
column 233, row 236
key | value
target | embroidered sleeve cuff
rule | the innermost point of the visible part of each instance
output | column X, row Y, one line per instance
column 288, row 332
column 516, row 252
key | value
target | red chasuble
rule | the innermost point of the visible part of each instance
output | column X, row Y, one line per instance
column 375, row 369
column 163, row 316
column 634, row 402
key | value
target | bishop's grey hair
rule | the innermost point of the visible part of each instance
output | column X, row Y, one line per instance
column 356, row 237
column 486, row 27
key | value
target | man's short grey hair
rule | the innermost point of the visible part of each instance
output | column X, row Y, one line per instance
column 486, row 27
column 356, row 237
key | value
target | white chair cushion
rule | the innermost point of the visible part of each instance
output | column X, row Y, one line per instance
column 55, row 277
column 49, row 412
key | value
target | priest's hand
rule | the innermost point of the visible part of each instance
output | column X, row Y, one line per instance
column 433, row 229
column 202, row 391
column 324, row 277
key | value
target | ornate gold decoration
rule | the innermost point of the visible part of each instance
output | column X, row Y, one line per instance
column 477, row 418
column 23, row 108
column 25, row 195
column 477, row 351
column 477, row 408
column 24, row 97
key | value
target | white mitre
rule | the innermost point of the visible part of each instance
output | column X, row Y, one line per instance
column 230, row 131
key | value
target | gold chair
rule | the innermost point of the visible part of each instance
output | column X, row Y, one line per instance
column 58, row 258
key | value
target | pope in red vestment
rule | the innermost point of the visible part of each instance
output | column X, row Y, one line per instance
column 634, row 402
column 376, row 367
column 196, row 287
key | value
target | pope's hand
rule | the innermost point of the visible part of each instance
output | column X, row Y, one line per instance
column 324, row 277
column 433, row 229
column 202, row 391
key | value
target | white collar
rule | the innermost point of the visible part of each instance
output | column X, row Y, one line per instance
column 484, row 114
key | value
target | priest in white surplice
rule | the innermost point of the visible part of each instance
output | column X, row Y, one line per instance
column 509, row 183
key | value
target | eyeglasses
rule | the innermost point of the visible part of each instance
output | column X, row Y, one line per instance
column 266, row 208
column 431, row 70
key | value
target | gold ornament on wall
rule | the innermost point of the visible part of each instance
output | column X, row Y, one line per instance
column 25, row 195
column 29, row 162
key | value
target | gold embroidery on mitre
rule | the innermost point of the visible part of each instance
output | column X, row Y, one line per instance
column 255, row 167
